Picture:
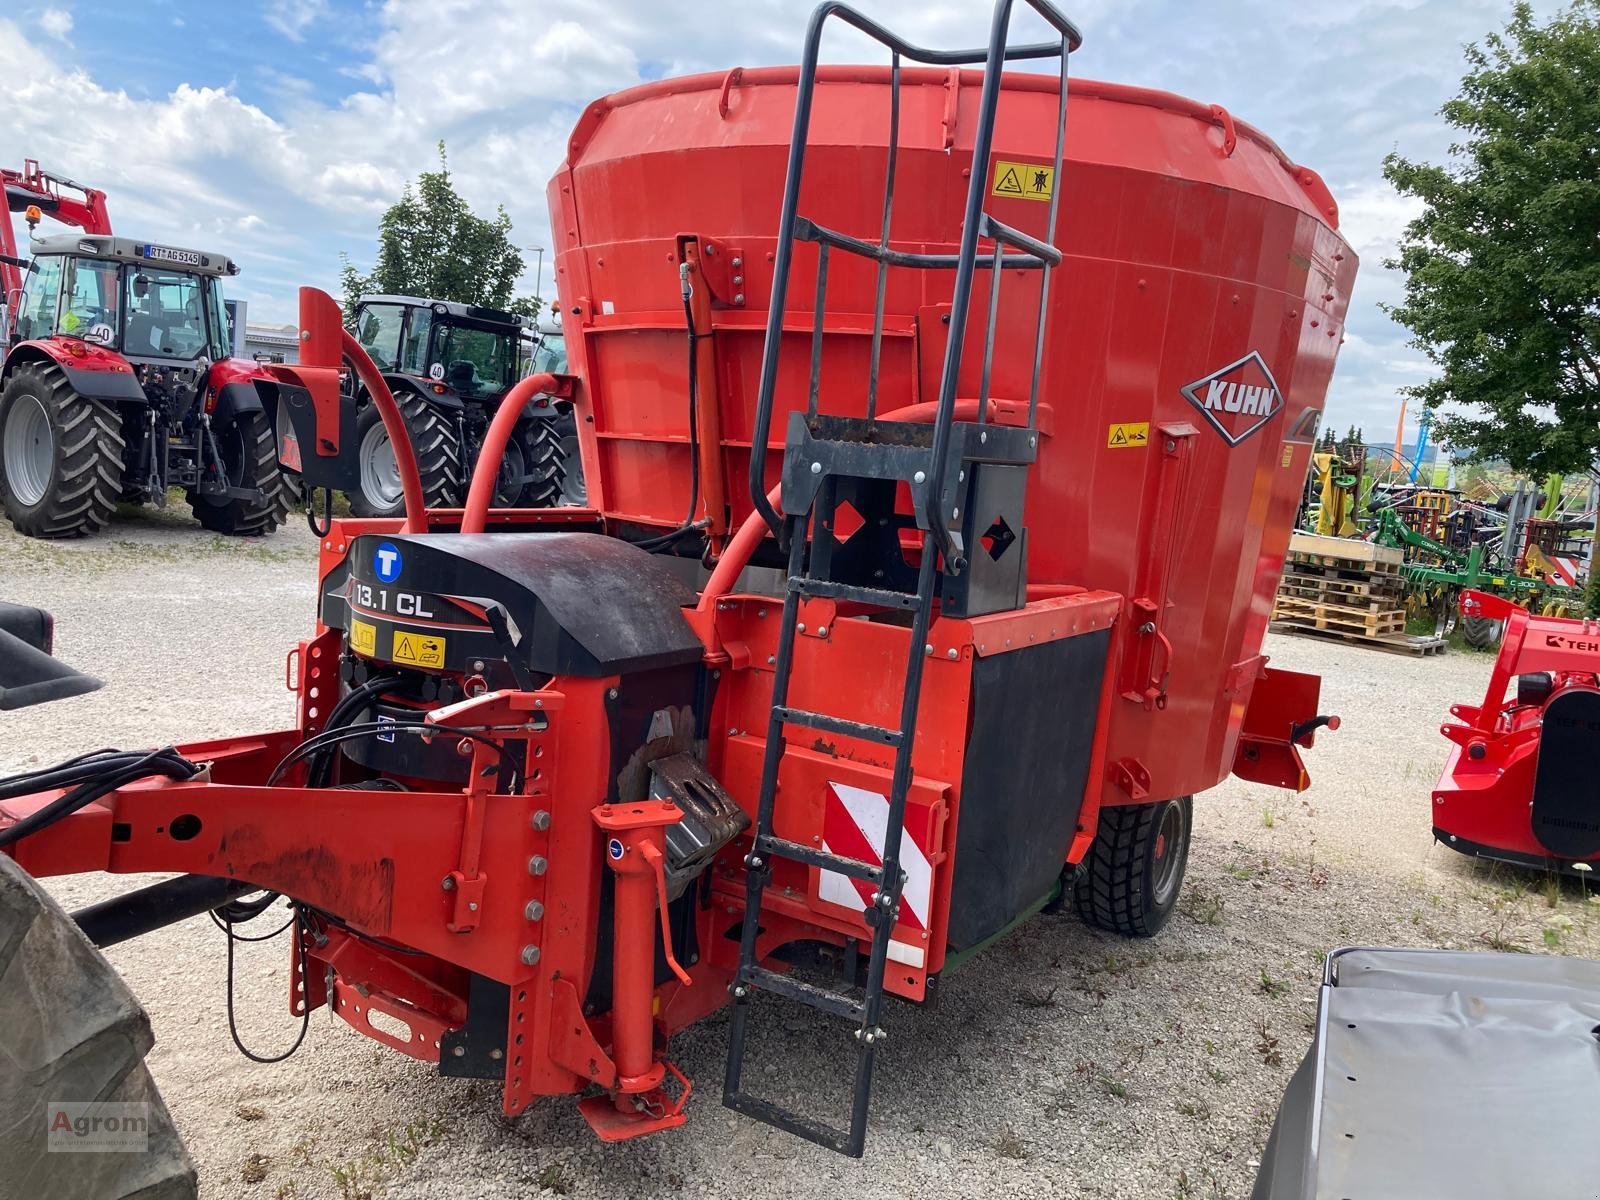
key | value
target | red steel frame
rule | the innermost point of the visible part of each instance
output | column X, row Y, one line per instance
column 41, row 190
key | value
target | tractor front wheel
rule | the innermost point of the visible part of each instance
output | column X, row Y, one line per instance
column 250, row 459
column 60, row 455
column 1130, row 879
column 433, row 440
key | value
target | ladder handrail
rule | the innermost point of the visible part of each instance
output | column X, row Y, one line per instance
column 992, row 56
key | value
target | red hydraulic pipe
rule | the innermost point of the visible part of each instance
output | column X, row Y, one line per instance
column 494, row 447
column 737, row 555
column 405, row 458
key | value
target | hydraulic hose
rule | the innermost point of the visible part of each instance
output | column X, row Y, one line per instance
column 484, row 475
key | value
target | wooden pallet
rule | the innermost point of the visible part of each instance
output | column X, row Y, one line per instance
column 1349, row 551
column 1327, row 567
column 1371, row 597
column 1370, row 622
column 1416, row 647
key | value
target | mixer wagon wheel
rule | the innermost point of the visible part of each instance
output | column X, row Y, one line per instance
column 436, row 444
column 1131, row 877
column 72, row 1072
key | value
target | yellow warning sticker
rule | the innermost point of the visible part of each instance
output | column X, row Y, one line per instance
column 364, row 638
column 418, row 649
column 1023, row 181
column 1288, row 457
column 1128, row 433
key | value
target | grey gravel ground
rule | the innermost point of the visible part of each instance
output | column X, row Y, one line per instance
column 1064, row 1063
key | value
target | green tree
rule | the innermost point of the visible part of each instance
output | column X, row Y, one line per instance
column 1503, row 264
column 431, row 244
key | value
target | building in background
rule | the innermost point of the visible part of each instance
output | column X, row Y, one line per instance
column 272, row 343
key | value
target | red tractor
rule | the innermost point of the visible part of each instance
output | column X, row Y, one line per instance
column 931, row 548
column 117, row 381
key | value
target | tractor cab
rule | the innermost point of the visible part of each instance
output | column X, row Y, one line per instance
column 151, row 303
column 131, row 336
column 449, row 365
column 476, row 353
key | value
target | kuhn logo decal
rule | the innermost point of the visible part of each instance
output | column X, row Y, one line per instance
column 1238, row 399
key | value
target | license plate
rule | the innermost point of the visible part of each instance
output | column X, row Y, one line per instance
column 170, row 254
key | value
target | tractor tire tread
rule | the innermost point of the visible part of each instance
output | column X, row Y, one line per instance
column 83, row 495
column 438, row 452
column 71, row 1031
column 241, row 518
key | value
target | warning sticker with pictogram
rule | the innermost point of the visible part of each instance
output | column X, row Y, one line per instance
column 1128, row 433
column 363, row 638
column 1023, row 181
column 418, row 649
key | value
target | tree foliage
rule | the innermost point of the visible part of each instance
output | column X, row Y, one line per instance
column 1503, row 265
column 431, row 244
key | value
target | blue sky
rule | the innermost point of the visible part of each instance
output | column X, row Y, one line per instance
column 278, row 133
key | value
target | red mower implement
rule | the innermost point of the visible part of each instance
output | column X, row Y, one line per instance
column 933, row 538
column 1520, row 784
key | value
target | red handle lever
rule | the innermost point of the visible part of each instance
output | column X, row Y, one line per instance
column 653, row 857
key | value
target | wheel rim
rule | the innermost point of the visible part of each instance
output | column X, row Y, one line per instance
column 512, row 477
column 1168, row 854
column 380, row 473
column 30, row 450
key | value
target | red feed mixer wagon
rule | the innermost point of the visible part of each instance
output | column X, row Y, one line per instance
column 816, row 724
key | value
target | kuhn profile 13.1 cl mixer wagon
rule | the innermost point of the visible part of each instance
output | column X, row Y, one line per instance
column 941, row 465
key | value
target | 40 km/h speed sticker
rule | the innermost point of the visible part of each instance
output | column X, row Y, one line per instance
column 418, row 649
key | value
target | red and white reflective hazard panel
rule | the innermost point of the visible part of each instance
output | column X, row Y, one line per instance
column 1566, row 570
column 853, row 824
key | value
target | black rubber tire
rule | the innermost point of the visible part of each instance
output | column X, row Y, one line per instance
column 250, row 452
column 1123, row 886
column 539, row 442
column 72, row 1032
column 1481, row 633
column 86, row 472
column 434, row 441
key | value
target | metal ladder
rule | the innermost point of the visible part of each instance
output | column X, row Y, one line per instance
column 827, row 455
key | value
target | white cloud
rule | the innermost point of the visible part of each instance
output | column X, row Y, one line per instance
column 284, row 185
column 56, row 22
column 293, row 17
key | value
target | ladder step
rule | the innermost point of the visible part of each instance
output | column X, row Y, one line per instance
column 822, row 721
column 880, row 597
column 823, row 1135
column 837, row 1003
column 854, row 868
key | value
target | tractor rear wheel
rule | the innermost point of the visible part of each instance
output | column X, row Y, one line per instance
column 250, row 456
column 433, row 440
column 538, row 442
column 1481, row 633
column 72, row 1047
column 60, row 455
column 1130, row 879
